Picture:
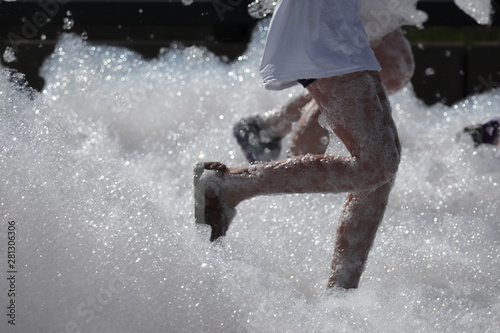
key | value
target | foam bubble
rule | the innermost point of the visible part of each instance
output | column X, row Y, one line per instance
column 261, row 8
column 68, row 23
column 97, row 170
column 9, row 55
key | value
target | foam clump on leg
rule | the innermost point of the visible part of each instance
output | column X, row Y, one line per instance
column 210, row 206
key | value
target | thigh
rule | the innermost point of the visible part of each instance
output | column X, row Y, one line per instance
column 308, row 136
column 357, row 109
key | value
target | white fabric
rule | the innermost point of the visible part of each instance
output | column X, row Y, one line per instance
column 313, row 40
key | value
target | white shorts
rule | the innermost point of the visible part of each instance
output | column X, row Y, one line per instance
column 313, row 40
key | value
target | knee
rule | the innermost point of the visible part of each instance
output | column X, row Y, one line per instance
column 384, row 166
column 389, row 162
column 308, row 136
column 403, row 71
column 398, row 73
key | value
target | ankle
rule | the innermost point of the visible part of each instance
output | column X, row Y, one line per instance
column 236, row 188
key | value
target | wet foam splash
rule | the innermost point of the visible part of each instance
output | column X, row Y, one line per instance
column 97, row 170
column 261, row 8
column 479, row 10
column 9, row 55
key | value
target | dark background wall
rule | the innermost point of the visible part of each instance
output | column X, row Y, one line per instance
column 454, row 56
column 31, row 28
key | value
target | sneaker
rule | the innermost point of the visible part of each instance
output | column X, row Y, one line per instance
column 476, row 133
column 209, row 209
column 258, row 143
column 486, row 133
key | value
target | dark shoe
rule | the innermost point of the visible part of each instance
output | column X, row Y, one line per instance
column 486, row 133
column 476, row 133
column 257, row 143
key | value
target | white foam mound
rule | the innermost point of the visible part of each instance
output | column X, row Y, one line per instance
column 97, row 169
column 479, row 10
column 261, row 8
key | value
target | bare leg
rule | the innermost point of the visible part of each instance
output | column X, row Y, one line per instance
column 357, row 110
column 395, row 57
column 364, row 211
column 394, row 54
column 260, row 136
column 279, row 121
column 358, row 224
column 308, row 136
column 359, row 113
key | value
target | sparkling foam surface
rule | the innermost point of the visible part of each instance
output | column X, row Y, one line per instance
column 97, row 174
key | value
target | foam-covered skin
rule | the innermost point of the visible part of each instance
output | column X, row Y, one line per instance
column 97, row 174
column 355, row 107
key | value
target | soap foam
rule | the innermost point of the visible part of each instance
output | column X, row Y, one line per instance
column 97, row 174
